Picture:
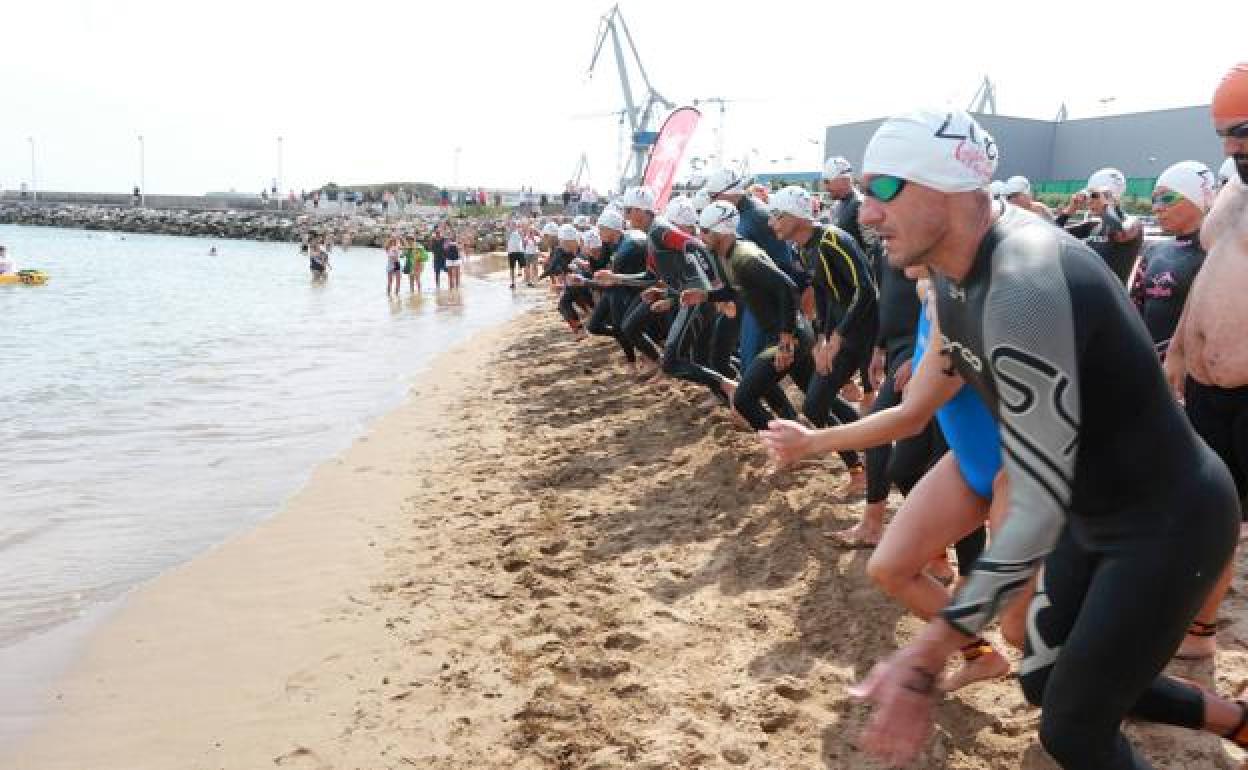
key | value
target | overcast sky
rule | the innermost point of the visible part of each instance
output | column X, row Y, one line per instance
column 385, row 91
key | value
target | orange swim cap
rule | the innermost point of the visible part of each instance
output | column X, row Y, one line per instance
column 1230, row 101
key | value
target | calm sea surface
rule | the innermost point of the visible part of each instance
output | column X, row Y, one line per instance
column 154, row 400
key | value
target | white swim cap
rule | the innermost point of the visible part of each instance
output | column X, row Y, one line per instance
column 701, row 199
column 591, row 239
column 612, row 220
column 1015, row 185
column 680, row 212
column 794, row 201
column 719, row 217
column 569, row 233
column 1191, row 179
column 580, row 220
column 639, row 198
column 1227, row 171
column 550, row 228
column 837, row 166
column 1109, row 179
column 723, row 180
column 997, row 188
column 945, row 150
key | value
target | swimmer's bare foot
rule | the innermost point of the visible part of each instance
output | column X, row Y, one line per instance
column 989, row 665
column 862, row 535
column 1200, row 642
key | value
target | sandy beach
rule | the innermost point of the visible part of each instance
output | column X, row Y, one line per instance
column 534, row 563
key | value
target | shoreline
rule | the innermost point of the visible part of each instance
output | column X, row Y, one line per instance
column 309, row 568
column 535, row 564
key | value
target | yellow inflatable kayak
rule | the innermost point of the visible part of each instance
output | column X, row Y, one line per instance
column 28, row 277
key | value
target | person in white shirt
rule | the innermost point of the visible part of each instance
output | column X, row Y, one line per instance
column 6, row 264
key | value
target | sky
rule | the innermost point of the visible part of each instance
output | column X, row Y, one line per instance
column 386, row 91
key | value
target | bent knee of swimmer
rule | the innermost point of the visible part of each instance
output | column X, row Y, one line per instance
column 1069, row 740
column 886, row 573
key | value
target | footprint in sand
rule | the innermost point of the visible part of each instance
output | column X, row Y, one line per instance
column 302, row 757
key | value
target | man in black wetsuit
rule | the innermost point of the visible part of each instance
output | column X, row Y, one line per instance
column 838, row 183
column 679, row 261
column 564, row 265
column 1133, row 516
column 847, row 316
column 1110, row 234
column 1181, row 198
column 625, row 249
column 751, row 278
column 726, row 185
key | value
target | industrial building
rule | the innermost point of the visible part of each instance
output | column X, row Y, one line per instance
column 1058, row 156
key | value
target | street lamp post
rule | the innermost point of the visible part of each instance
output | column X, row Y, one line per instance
column 142, row 174
column 34, row 185
column 279, row 173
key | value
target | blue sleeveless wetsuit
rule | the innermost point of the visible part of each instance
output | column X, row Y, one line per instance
column 969, row 429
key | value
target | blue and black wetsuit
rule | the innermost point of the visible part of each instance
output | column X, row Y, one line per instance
column 1132, row 515
column 904, row 462
column 753, row 226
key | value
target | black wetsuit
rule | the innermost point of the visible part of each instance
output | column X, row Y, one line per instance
column 1162, row 280
column 846, row 218
column 904, row 462
column 1137, row 517
column 765, row 291
column 626, row 256
column 846, row 302
column 572, row 297
column 438, row 247
column 1100, row 234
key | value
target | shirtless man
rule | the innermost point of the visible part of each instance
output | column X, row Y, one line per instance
column 1207, row 364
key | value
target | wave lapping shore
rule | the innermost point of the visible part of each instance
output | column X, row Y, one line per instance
column 541, row 565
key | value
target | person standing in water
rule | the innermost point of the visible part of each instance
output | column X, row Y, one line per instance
column 417, row 257
column 393, row 268
column 454, row 263
column 318, row 258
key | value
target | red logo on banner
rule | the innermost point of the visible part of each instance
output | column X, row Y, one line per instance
column 668, row 151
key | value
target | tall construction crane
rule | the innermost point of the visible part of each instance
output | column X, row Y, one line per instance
column 641, row 116
column 582, row 171
column 985, row 99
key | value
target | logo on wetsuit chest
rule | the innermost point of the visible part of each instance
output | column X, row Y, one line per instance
column 954, row 349
column 956, row 293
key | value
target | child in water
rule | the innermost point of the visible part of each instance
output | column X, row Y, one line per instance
column 416, row 257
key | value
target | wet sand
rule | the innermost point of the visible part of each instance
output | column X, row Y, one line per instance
column 534, row 563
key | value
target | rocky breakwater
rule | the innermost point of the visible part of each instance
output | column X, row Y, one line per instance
column 253, row 225
column 477, row 234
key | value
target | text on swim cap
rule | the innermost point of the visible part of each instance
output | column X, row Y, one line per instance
column 976, row 149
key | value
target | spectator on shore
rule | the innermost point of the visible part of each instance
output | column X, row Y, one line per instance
column 7, row 267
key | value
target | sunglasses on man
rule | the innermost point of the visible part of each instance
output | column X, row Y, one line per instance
column 1237, row 131
column 884, row 188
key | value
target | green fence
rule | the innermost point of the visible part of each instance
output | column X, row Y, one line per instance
column 1137, row 187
